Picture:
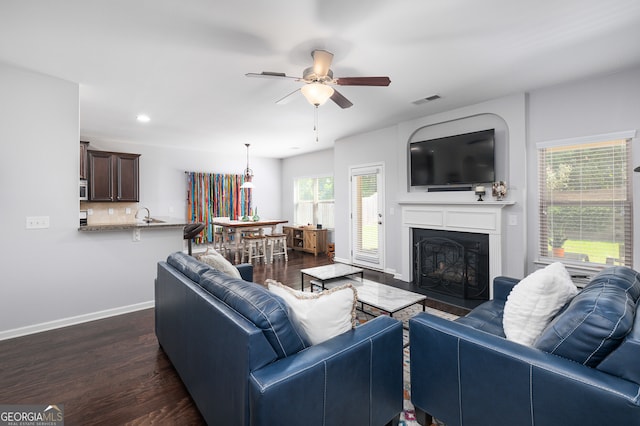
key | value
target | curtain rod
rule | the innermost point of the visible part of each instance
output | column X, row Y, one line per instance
column 214, row 173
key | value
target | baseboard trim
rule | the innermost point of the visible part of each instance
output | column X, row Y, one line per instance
column 65, row 322
column 341, row 260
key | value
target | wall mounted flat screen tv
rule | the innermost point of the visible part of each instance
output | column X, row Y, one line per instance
column 453, row 160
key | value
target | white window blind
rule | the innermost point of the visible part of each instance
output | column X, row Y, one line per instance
column 314, row 201
column 366, row 215
column 586, row 203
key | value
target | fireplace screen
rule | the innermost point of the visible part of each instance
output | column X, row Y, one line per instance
column 452, row 263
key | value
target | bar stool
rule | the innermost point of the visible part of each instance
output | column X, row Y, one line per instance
column 191, row 231
column 277, row 244
column 254, row 247
column 219, row 242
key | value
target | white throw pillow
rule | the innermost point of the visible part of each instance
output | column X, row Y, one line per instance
column 534, row 301
column 214, row 259
column 319, row 316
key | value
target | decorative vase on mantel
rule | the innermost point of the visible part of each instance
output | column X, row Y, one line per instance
column 255, row 215
column 499, row 190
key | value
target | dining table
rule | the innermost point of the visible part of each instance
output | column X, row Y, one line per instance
column 237, row 227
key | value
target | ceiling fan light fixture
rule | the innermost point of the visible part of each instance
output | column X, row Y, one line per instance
column 316, row 93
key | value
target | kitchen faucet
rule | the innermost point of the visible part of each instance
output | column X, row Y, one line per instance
column 146, row 219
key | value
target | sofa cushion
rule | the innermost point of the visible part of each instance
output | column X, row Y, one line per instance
column 319, row 316
column 266, row 310
column 534, row 301
column 596, row 320
column 486, row 317
column 623, row 361
column 214, row 259
column 187, row 265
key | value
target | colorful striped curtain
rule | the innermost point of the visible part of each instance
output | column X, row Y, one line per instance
column 212, row 195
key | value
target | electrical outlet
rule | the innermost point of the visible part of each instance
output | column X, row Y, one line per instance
column 127, row 211
column 513, row 220
column 37, row 222
column 136, row 234
column 110, row 211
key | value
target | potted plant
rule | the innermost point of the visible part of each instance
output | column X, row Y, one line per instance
column 557, row 241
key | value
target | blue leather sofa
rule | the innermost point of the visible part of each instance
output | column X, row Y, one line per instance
column 244, row 363
column 584, row 369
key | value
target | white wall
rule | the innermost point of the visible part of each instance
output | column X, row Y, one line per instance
column 379, row 146
column 390, row 146
column 163, row 187
column 594, row 106
column 60, row 276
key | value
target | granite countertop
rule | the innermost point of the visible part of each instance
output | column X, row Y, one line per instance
column 157, row 223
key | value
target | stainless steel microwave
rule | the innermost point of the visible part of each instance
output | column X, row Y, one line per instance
column 84, row 195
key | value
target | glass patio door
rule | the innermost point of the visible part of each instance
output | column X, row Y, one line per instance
column 367, row 224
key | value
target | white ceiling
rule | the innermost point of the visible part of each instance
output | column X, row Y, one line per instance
column 183, row 62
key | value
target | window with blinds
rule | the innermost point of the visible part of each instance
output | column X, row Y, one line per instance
column 314, row 202
column 586, row 202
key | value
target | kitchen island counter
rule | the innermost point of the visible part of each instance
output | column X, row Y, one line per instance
column 156, row 223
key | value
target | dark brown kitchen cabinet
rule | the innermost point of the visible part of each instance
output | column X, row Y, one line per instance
column 113, row 176
column 84, row 147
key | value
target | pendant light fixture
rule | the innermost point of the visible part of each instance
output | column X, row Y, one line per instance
column 248, row 173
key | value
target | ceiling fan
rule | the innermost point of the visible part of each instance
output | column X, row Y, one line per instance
column 318, row 80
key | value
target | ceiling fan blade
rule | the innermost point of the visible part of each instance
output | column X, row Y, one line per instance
column 269, row 74
column 363, row 81
column 321, row 62
column 286, row 99
column 340, row 100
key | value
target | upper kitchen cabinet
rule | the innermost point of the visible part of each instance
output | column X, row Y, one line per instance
column 113, row 176
column 84, row 147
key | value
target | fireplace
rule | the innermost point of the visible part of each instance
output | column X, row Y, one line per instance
column 457, row 216
column 452, row 263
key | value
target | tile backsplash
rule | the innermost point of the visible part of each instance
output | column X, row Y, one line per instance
column 111, row 213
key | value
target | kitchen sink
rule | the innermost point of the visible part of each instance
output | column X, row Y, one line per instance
column 153, row 220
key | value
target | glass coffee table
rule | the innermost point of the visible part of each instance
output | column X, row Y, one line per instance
column 322, row 274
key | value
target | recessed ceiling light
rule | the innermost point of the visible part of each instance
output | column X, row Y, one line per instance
column 143, row 118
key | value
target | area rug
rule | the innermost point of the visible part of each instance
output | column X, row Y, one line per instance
column 407, row 417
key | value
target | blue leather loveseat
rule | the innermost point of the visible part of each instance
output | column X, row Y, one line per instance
column 584, row 369
column 243, row 362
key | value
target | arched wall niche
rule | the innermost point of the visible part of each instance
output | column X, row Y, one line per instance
column 469, row 124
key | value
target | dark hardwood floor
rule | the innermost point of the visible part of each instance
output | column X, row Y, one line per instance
column 112, row 371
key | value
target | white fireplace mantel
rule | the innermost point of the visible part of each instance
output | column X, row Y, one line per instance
column 500, row 204
column 484, row 217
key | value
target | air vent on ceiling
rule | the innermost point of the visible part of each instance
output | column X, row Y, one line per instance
column 426, row 99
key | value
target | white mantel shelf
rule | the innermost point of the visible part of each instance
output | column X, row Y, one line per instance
column 457, row 203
